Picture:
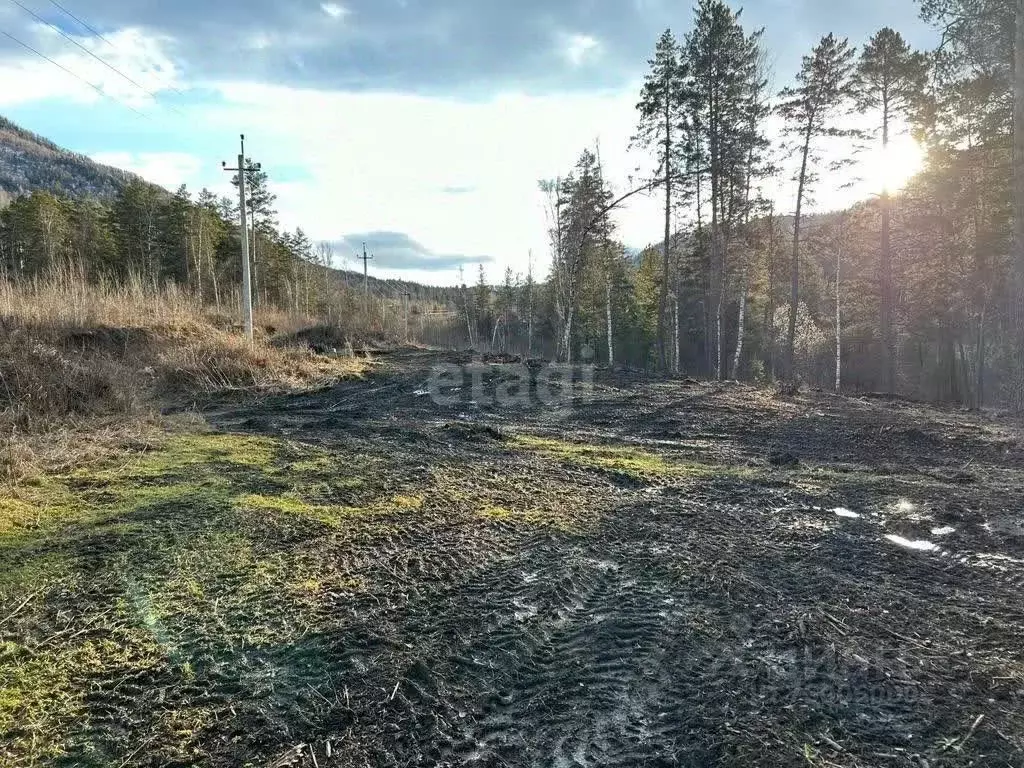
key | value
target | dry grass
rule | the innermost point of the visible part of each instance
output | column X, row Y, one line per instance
column 77, row 356
column 64, row 299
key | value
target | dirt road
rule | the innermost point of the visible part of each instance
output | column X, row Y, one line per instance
column 669, row 573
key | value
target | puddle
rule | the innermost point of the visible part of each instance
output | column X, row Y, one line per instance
column 847, row 513
column 917, row 546
column 944, row 531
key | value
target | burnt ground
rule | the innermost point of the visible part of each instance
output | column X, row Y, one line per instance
column 664, row 573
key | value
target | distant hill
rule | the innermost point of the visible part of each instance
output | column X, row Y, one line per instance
column 395, row 289
column 30, row 162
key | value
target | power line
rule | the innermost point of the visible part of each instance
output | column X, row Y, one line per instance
column 74, row 42
column 83, row 23
column 96, row 88
column 96, row 32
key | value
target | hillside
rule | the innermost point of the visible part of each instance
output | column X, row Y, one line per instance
column 30, row 162
column 396, row 289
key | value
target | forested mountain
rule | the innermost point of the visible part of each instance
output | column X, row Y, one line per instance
column 56, row 204
column 396, row 289
column 29, row 162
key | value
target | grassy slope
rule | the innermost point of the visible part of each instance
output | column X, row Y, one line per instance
column 88, row 465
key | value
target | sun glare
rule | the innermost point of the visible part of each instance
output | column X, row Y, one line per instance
column 889, row 170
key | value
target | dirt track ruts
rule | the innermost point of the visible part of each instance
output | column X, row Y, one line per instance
column 358, row 576
column 729, row 621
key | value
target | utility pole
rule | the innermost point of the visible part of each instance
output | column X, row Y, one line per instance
column 407, row 296
column 244, row 229
column 366, row 273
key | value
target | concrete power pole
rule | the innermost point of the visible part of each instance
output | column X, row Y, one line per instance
column 366, row 273
column 246, row 272
column 407, row 296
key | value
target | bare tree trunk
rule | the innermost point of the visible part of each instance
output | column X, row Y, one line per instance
column 213, row 277
column 717, row 265
column 839, row 322
column 663, row 297
column 888, row 292
column 718, row 329
column 1018, row 199
column 706, row 301
column 199, row 258
column 465, row 307
column 676, row 362
column 794, row 299
column 255, row 271
column 305, row 279
column 744, row 276
column 529, row 325
column 567, row 337
column 771, row 293
column 608, row 316
column 741, row 322
column 979, row 398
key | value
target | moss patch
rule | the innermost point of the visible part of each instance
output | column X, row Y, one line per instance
column 292, row 505
column 496, row 513
column 626, row 460
column 180, row 561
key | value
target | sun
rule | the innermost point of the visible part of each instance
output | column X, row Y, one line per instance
column 889, row 170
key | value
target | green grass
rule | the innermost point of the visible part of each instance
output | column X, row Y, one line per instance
column 171, row 559
column 627, row 460
column 215, row 555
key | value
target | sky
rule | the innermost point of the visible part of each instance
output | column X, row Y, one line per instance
column 418, row 126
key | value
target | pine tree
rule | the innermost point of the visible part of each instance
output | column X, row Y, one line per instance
column 889, row 81
column 482, row 303
column 260, row 208
column 181, row 240
column 725, row 105
column 979, row 74
column 91, row 238
column 139, row 218
column 824, row 83
column 662, row 128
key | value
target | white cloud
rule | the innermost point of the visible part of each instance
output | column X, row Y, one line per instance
column 334, row 10
column 140, row 56
column 168, row 169
column 579, row 49
column 378, row 161
column 358, row 162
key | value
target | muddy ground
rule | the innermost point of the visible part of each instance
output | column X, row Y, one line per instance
column 659, row 574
